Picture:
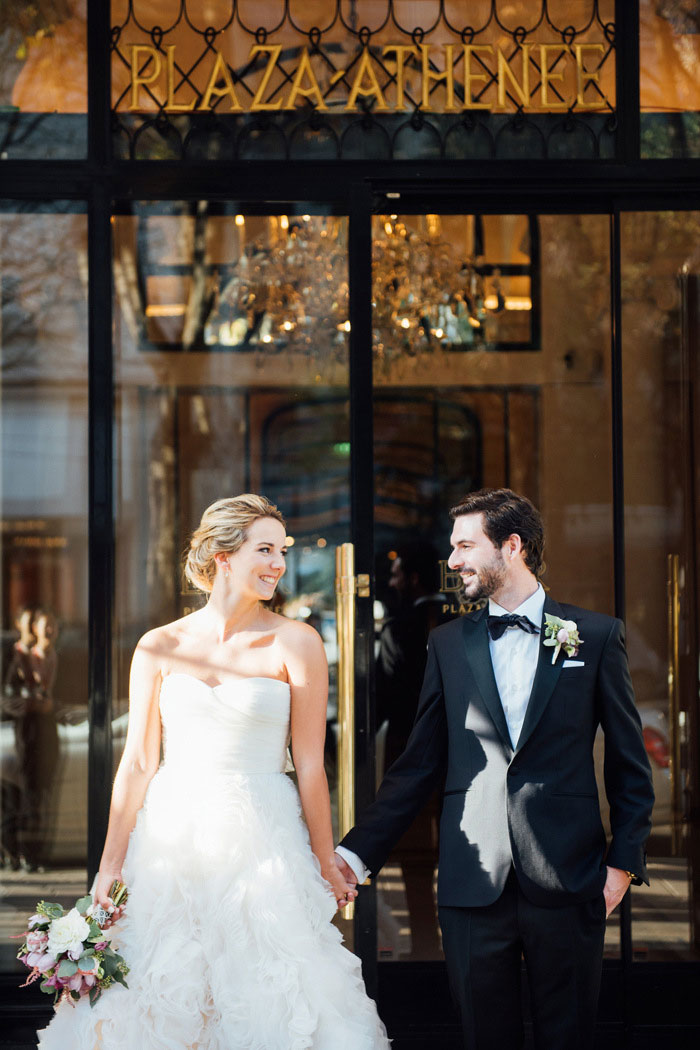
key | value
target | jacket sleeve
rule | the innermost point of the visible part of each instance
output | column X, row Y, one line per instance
column 410, row 780
column 628, row 783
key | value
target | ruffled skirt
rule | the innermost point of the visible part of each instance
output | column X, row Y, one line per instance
column 227, row 932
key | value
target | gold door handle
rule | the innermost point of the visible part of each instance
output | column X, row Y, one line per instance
column 674, row 711
column 346, row 587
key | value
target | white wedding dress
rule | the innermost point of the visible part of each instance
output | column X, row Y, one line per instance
column 227, row 930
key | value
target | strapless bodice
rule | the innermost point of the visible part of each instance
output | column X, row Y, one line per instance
column 235, row 727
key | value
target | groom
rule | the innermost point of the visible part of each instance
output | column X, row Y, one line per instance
column 512, row 697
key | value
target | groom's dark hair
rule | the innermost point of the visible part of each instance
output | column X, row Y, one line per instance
column 506, row 513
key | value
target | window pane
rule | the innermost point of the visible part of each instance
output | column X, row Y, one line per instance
column 231, row 367
column 43, row 79
column 451, row 416
column 44, row 728
column 454, row 282
column 669, row 84
column 660, row 369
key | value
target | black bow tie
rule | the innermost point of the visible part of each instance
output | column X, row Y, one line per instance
column 497, row 625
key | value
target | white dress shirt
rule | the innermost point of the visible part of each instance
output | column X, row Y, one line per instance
column 514, row 657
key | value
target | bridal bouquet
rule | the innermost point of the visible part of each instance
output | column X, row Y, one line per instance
column 70, row 951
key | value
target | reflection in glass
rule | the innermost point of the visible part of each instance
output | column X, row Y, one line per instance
column 460, row 282
column 235, row 282
column 660, row 340
column 231, row 370
column 447, row 422
column 43, row 79
column 669, row 84
column 43, row 728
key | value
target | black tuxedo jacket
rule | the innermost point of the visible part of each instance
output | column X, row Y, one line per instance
column 536, row 806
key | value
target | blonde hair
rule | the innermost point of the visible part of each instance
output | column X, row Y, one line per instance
column 222, row 530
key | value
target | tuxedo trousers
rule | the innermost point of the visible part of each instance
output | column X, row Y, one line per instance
column 563, row 952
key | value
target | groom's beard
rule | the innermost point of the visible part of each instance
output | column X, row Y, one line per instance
column 485, row 581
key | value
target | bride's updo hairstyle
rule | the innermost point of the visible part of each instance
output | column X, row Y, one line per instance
column 222, row 530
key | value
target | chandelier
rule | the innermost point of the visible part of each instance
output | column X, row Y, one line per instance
column 429, row 294
column 273, row 284
column 287, row 290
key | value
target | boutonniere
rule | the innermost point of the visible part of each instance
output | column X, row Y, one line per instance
column 562, row 634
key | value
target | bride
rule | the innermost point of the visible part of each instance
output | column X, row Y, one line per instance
column 227, row 929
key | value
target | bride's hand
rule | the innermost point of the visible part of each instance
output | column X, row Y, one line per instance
column 343, row 892
column 103, row 884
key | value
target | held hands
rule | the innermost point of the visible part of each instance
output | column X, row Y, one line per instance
column 343, row 887
column 346, row 871
column 616, row 885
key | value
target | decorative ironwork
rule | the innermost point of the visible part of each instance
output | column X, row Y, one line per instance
column 355, row 80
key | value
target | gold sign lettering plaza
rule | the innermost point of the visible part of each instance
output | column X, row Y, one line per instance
column 540, row 77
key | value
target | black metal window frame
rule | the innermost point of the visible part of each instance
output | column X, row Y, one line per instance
column 357, row 189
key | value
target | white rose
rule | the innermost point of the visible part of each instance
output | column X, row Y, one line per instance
column 68, row 933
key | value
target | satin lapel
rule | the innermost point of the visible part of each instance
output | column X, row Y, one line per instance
column 546, row 678
column 476, row 644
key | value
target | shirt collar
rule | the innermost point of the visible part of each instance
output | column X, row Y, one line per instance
column 532, row 607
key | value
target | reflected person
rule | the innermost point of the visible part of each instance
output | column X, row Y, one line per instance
column 546, row 878
column 418, row 608
column 29, row 693
column 17, row 689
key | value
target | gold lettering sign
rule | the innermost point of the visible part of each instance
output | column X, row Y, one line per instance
column 536, row 77
column 449, row 580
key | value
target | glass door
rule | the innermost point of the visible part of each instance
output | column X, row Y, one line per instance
column 231, row 375
column 492, row 350
column 660, row 305
column 44, row 702
column 492, row 337
column 496, row 364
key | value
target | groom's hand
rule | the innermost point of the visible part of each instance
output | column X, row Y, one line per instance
column 346, row 871
column 616, row 885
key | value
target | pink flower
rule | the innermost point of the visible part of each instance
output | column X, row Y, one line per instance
column 562, row 636
column 48, row 961
column 100, row 947
column 36, row 941
column 74, row 983
column 89, row 979
column 42, row 960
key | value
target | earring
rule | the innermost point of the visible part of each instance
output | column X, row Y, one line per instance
column 226, row 569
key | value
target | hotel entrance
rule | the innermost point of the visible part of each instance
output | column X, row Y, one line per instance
column 364, row 370
column 363, row 303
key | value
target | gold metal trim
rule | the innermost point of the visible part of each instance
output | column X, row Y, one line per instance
column 674, row 713
column 345, row 591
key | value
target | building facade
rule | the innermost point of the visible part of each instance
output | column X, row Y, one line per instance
column 361, row 256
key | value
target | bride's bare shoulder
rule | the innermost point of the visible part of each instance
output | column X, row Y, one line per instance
column 161, row 642
column 297, row 636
